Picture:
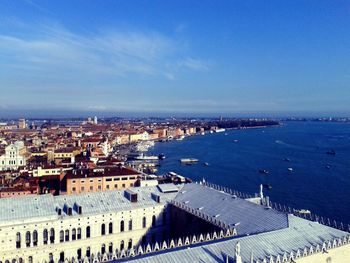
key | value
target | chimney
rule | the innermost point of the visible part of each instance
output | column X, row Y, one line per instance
column 155, row 197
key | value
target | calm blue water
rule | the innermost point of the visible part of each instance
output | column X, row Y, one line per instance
column 310, row 186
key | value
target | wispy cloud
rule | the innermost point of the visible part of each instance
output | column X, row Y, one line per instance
column 194, row 64
column 53, row 49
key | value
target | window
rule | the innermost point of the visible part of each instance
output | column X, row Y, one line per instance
column 35, row 238
column 131, row 185
column 18, row 240
column 73, row 189
column 130, row 244
column 28, row 239
column 82, row 188
column 116, row 186
column 45, row 236
column 99, row 187
column 103, row 249
column 52, row 235
column 66, row 236
column 110, row 248
column 123, row 185
column 30, row 259
column 144, row 222
column 61, row 236
column 87, row 231
column 110, row 228
column 122, row 226
column 108, row 179
column 122, row 245
column 79, row 253
column 153, row 220
column 88, row 253
column 91, row 188
column 107, row 186
column 79, row 233
column 74, row 234
column 103, row 229
column 130, row 224
column 61, row 257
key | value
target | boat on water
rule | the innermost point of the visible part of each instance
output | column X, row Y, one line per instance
column 286, row 159
column 143, row 157
column 181, row 138
column 206, row 164
column 331, row 152
column 328, row 166
column 263, row 171
column 211, row 131
column 219, row 130
column 202, row 133
column 303, row 211
column 290, row 169
column 189, row 160
column 235, row 141
column 267, row 186
column 161, row 156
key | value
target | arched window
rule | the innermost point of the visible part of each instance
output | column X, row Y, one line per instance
column 122, row 226
column 61, row 257
column 144, row 222
column 79, row 253
column 66, row 236
column 130, row 224
column 51, row 258
column 74, row 234
column 18, row 240
column 88, row 253
column 45, row 236
column 103, row 229
column 122, row 245
column 52, row 235
column 103, row 249
column 153, row 220
column 28, row 239
column 130, row 244
column 30, row 259
column 88, row 232
column 110, row 248
column 61, row 236
column 79, row 233
column 110, row 228
column 35, row 238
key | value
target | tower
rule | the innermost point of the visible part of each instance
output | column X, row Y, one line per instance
column 21, row 124
column 95, row 120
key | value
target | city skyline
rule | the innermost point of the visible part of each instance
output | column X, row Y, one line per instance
column 241, row 57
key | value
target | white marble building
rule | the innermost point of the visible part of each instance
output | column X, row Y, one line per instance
column 13, row 157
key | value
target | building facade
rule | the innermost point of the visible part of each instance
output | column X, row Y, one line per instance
column 13, row 157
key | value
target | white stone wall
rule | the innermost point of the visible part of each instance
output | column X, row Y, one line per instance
column 40, row 253
column 12, row 158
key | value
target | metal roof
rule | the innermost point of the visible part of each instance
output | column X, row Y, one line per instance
column 43, row 207
column 300, row 234
column 246, row 217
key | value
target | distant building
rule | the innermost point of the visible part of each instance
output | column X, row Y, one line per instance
column 22, row 124
column 13, row 157
column 95, row 120
column 100, row 179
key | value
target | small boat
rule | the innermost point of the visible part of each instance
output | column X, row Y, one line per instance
column 286, row 159
column 180, row 138
column 161, row 156
column 202, row 133
column 267, row 186
column 235, row 141
column 290, row 169
column 220, row 130
column 211, row 131
column 206, row 164
column 328, row 166
column 189, row 160
column 331, row 152
column 304, row 211
column 263, row 171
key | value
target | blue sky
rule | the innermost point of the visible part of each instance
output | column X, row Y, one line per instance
column 185, row 56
